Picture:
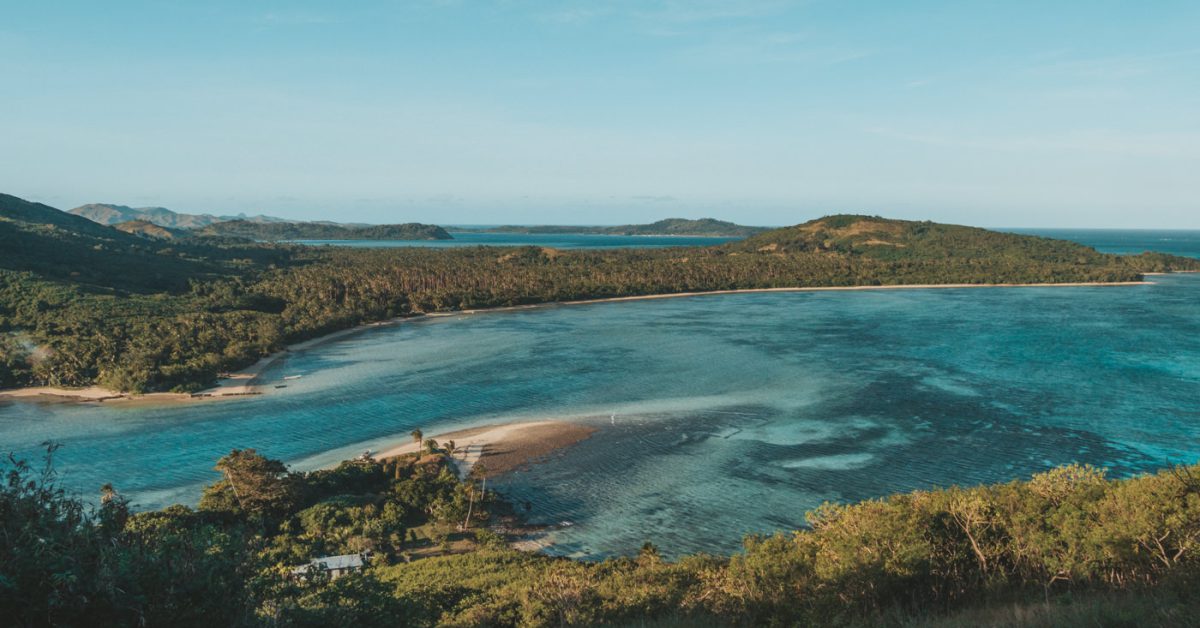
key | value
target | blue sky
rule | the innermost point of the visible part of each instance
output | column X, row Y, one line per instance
column 760, row 111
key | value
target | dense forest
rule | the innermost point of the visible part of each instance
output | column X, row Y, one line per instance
column 1069, row 547
column 324, row 231
column 668, row 226
column 82, row 303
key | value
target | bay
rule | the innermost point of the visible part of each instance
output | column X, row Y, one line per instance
column 717, row 416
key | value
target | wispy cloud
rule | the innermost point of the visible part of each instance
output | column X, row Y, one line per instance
column 650, row 198
column 1114, row 67
column 710, row 10
column 1094, row 141
column 574, row 14
column 757, row 47
column 294, row 18
column 666, row 15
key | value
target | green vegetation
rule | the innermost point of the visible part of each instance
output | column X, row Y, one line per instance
column 82, row 303
column 1068, row 547
column 324, row 231
column 147, row 229
column 669, row 226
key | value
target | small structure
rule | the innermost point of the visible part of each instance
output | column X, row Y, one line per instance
column 335, row 566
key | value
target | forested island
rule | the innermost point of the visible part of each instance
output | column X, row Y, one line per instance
column 669, row 226
column 82, row 303
column 324, row 231
column 1068, row 547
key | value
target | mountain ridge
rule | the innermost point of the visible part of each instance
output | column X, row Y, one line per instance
column 111, row 214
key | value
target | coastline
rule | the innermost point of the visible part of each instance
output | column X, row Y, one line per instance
column 244, row 382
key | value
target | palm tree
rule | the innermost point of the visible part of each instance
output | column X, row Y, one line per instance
column 431, row 446
column 417, row 436
column 450, row 447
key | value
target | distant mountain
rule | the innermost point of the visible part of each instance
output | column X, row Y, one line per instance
column 669, row 226
column 107, row 214
column 324, row 231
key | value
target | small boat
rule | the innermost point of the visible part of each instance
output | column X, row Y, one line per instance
column 281, row 385
column 292, row 376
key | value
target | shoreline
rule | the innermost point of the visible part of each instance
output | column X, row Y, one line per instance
column 243, row 382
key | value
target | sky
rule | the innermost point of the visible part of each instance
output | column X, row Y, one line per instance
column 999, row 114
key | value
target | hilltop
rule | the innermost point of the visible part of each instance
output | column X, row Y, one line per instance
column 908, row 241
column 669, row 226
column 324, row 231
column 109, row 214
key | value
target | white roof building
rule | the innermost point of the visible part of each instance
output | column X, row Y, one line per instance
column 335, row 566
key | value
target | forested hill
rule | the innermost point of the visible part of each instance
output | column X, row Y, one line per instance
column 669, row 226
column 82, row 303
column 147, row 229
column 57, row 246
column 325, row 231
column 891, row 240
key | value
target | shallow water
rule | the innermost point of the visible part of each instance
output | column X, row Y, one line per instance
column 719, row 415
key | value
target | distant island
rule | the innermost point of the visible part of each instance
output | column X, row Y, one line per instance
column 273, row 231
column 175, row 313
column 669, row 226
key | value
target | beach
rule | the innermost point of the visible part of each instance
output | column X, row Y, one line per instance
column 245, row 382
column 502, row 448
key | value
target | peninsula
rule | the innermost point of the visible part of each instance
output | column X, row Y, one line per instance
column 175, row 314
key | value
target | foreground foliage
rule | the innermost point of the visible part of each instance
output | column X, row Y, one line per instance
column 1067, row 547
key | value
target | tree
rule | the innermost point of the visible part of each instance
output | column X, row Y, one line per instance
column 417, row 436
column 431, row 446
column 253, row 484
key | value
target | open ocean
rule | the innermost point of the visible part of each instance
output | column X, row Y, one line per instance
column 718, row 416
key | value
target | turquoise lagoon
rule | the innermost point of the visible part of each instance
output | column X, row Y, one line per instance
column 717, row 416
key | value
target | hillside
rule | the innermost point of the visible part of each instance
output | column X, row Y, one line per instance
column 1066, row 547
column 669, row 226
column 108, row 214
column 147, row 229
column 325, row 231
column 56, row 245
